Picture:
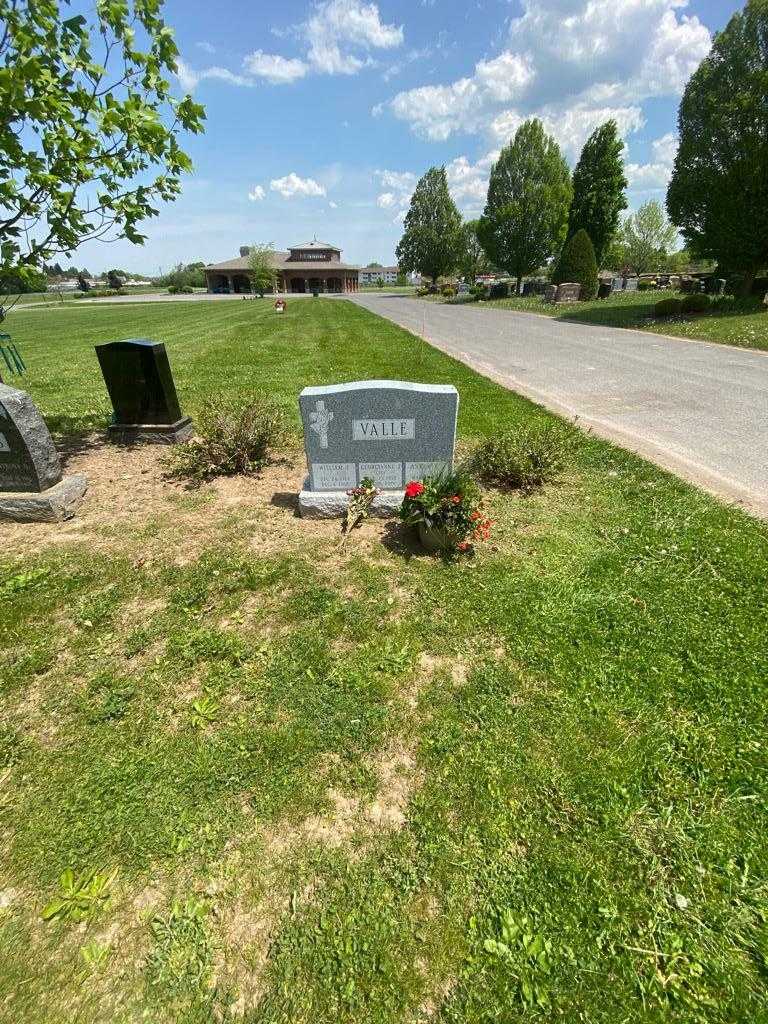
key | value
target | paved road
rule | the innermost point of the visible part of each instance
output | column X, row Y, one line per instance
column 698, row 409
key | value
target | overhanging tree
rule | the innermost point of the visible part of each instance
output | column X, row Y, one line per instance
column 599, row 187
column 88, row 126
column 430, row 242
column 718, row 195
column 529, row 193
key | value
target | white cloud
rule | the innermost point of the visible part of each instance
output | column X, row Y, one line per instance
column 654, row 176
column 206, row 47
column 292, row 185
column 257, row 193
column 276, row 69
column 333, row 206
column 570, row 62
column 338, row 35
column 189, row 79
column 386, row 200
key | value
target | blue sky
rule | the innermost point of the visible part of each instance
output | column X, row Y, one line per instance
column 322, row 114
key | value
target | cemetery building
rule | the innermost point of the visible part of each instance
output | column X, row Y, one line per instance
column 312, row 266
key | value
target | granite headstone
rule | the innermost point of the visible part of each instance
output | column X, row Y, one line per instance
column 630, row 285
column 31, row 484
column 140, row 385
column 550, row 293
column 569, row 291
column 391, row 431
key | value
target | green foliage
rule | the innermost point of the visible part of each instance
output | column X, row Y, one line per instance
column 232, row 437
column 646, row 237
column 99, row 293
column 180, row 289
column 261, row 267
column 646, row 286
column 599, row 186
column 577, row 263
column 696, row 302
column 184, row 276
column 88, row 119
column 180, row 963
column 523, row 458
column 22, row 280
column 718, row 195
column 81, row 896
column 472, row 260
column 668, row 307
column 528, row 955
column 431, row 240
column 526, row 213
column 448, row 503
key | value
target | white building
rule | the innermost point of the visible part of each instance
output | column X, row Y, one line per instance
column 371, row 275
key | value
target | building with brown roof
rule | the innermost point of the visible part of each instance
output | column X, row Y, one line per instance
column 313, row 266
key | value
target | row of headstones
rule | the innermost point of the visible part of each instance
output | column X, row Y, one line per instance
column 388, row 431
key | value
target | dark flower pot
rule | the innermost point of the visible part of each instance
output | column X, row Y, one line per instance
column 434, row 538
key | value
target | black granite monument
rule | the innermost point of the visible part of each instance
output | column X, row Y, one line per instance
column 140, row 385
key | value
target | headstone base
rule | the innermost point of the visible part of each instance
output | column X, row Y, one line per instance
column 58, row 503
column 333, row 504
column 151, row 433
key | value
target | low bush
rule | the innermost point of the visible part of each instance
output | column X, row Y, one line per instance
column 180, row 289
column 99, row 293
column 646, row 286
column 522, row 458
column 479, row 291
column 232, row 437
column 696, row 302
column 499, row 290
column 448, row 291
column 724, row 304
column 421, row 292
column 668, row 307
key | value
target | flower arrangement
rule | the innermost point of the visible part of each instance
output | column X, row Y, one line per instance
column 361, row 499
column 446, row 510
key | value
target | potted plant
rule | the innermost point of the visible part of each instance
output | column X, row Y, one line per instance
column 445, row 509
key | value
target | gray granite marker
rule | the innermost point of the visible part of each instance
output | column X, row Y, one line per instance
column 392, row 431
column 31, row 485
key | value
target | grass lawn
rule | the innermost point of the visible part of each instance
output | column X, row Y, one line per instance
column 325, row 783
column 745, row 328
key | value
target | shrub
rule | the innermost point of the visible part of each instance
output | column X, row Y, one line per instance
column 696, row 302
column 99, row 293
column 668, row 307
column 479, row 291
column 233, row 437
column 499, row 290
column 646, row 286
column 448, row 291
column 578, row 263
column 522, row 458
column 422, row 292
column 724, row 304
column 180, row 289
column 448, row 503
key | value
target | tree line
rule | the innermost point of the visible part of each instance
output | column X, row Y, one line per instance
column 537, row 214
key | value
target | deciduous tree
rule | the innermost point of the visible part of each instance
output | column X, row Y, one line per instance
column 529, row 193
column 718, row 195
column 647, row 237
column 88, row 126
column 430, row 242
column 599, row 187
column 472, row 259
column 261, row 267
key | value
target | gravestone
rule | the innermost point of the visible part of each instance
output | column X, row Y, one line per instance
column 569, row 291
column 391, row 431
column 618, row 284
column 140, row 385
column 630, row 285
column 32, row 488
column 550, row 293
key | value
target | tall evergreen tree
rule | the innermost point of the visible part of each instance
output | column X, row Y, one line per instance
column 526, row 213
column 718, row 195
column 599, row 188
column 577, row 263
column 430, row 242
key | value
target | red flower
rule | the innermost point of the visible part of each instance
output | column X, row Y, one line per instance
column 414, row 489
column 456, row 499
column 464, row 546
